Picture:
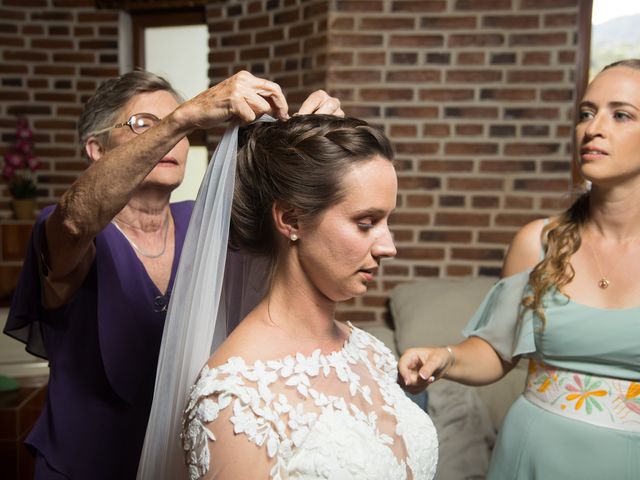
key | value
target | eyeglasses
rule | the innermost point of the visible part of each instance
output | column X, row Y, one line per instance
column 138, row 123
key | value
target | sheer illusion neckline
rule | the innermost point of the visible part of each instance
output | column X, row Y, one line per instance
column 348, row 350
column 318, row 415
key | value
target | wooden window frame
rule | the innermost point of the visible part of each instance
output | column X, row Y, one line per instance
column 151, row 5
column 582, row 77
column 143, row 19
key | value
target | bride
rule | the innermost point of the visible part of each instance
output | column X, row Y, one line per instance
column 292, row 393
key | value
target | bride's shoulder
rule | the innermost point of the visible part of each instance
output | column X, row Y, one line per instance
column 247, row 342
column 251, row 344
column 232, row 369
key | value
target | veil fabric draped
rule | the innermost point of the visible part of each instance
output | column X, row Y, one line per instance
column 207, row 302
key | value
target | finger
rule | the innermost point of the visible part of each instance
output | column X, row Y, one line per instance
column 426, row 374
column 428, row 371
column 278, row 105
column 328, row 107
column 249, row 85
column 243, row 112
column 273, row 92
column 406, row 367
column 257, row 104
column 414, row 389
column 412, row 381
column 414, row 385
column 313, row 101
column 277, row 111
column 409, row 366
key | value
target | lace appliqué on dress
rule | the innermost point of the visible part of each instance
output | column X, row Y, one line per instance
column 370, row 430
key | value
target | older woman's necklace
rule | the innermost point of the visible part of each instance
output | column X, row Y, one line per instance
column 138, row 249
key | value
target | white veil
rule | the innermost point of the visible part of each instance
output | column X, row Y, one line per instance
column 206, row 303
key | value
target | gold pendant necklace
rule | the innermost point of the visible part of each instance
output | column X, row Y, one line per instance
column 604, row 282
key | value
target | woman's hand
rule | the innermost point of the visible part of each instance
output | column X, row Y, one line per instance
column 471, row 362
column 321, row 102
column 242, row 96
column 420, row 367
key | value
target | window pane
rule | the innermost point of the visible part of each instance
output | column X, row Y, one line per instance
column 180, row 54
column 615, row 33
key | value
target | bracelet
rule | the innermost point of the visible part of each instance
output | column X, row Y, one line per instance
column 452, row 360
column 452, row 356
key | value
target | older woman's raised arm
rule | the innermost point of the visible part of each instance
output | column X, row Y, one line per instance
column 107, row 185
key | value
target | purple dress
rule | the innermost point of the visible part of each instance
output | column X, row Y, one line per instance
column 102, row 349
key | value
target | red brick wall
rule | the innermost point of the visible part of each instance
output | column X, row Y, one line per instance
column 283, row 40
column 54, row 55
column 476, row 95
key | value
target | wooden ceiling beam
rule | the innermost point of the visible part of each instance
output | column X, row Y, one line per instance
column 147, row 5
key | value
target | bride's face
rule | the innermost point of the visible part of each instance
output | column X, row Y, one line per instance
column 341, row 251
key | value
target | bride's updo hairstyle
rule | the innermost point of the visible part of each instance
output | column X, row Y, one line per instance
column 301, row 162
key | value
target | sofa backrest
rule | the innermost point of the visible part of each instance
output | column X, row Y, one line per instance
column 435, row 310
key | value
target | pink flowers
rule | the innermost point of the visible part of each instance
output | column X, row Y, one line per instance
column 20, row 163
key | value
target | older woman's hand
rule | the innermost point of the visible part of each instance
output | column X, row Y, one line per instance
column 321, row 102
column 242, row 96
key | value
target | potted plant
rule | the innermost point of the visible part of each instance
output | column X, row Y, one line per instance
column 19, row 167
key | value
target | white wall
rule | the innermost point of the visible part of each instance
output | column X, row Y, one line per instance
column 179, row 54
column 14, row 360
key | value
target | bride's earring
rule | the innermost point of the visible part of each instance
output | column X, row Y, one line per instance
column 293, row 237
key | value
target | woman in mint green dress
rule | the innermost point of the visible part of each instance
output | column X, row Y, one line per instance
column 569, row 301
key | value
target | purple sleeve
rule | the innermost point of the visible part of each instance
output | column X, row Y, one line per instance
column 26, row 314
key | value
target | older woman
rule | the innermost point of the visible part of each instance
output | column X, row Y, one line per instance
column 96, row 281
column 569, row 302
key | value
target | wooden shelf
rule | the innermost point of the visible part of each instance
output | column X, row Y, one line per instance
column 14, row 238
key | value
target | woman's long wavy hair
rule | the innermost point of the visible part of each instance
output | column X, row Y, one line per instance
column 561, row 238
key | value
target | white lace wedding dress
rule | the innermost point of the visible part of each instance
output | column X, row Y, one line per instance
column 337, row 416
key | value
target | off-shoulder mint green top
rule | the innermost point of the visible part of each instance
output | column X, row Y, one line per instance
column 603, row 342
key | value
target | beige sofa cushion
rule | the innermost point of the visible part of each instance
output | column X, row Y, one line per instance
column 435, row 310
column 465, row 431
